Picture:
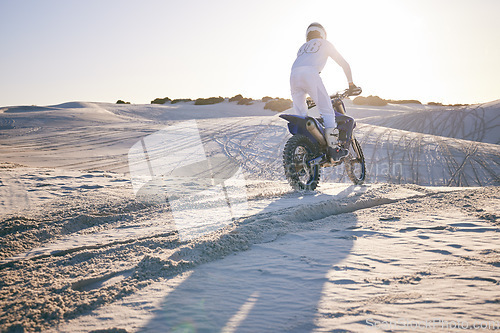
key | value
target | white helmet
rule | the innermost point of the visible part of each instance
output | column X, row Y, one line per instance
column 316, row 27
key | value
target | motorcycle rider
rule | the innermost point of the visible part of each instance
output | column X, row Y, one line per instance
column 305, row 79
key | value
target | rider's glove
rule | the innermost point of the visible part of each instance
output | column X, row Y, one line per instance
column 354, row 90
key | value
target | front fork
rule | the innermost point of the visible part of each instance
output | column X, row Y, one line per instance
column 338, row 105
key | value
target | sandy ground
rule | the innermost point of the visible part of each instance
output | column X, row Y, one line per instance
column 413, row 249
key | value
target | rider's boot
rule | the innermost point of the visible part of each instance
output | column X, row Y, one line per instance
column 335, row 151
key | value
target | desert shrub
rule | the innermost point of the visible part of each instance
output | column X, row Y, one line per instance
column 360, row 100
column 404, row 101
column 178, row 100
column 278, row 105
column 370, row 100
column 210, row 100
column 266, row 99
column 376, row 101
column 441, row 104
column 160, row 100
column 245, row 101
column 236, row 98
column 121, row 102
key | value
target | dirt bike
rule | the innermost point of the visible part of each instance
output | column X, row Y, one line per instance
column 307, row 151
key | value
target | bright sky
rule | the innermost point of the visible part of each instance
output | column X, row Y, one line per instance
column 56, row 51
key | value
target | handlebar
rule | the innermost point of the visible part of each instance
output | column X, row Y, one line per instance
column 347, row 93
column 338, row 95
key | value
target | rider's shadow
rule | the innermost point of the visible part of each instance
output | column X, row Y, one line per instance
column 275, row 287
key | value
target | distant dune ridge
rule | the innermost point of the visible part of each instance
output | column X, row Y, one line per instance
column 80, row 253
column 403, row 143
column 476, row 123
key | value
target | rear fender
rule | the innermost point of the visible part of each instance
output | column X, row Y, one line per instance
column 297, row 125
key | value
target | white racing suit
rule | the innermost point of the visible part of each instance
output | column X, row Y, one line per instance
column 305, row 80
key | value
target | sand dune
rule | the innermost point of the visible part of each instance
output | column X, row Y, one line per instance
column 475, row 123
column 396, row 156
column 79, row 252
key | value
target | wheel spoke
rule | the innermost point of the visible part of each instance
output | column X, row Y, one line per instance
column 298, row 150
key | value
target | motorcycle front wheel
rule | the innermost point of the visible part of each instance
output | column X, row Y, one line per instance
column 355, row 163
column 298, row 150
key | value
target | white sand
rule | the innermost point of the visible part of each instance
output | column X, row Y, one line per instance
column 80, row 253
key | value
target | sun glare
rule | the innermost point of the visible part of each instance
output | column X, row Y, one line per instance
column 385, row 48
column 442, row 51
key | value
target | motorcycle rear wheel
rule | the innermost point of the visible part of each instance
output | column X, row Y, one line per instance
column 298, row 150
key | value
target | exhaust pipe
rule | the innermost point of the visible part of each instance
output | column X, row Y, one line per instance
column 313, row 129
